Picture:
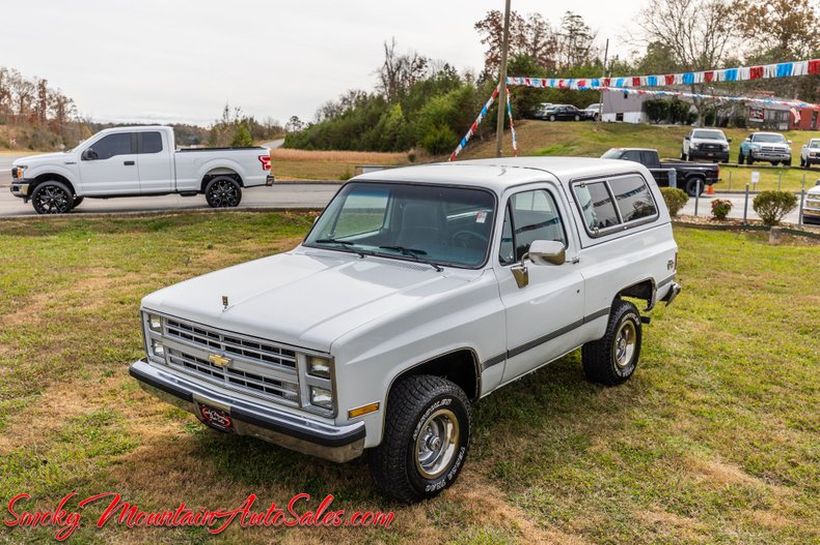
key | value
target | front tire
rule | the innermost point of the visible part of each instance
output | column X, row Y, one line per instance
column 426, row 438
column 612, row 359
column 552, row 118
column 52, row 198
column 223, row 192
column 692, row 186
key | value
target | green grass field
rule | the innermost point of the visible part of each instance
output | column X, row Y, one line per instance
column 593, row 139
column 714, row 440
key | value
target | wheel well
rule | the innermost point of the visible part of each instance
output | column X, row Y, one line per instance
column 221, row 172
column 52, row 177
column 459, row 367
column 644, row 290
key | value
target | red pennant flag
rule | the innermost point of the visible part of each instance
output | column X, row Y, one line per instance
column 755, row 72
column 636, row 82
column 582, row 83
column 708, row 76
column 669, row 79
column 607, row 82
column 814, row 66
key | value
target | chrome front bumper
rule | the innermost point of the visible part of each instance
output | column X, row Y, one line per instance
column 19, row 188
column 334, row 443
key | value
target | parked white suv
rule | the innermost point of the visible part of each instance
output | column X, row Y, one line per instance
column 137, row 161
column 417, row 292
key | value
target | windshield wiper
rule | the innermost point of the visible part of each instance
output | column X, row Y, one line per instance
column 345, row 243
column 414, row 253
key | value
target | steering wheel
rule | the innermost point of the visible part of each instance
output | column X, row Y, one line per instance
column 462, row 238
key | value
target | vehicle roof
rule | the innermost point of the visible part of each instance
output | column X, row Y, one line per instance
column 137, row 128
column 764, row 132
column 501, row 173
column 633, row 149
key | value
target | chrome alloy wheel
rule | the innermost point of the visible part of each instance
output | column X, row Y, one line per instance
column 625, row 343
column 223, row 194
column 437, row 443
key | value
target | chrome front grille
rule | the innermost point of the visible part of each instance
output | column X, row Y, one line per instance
column 212, row 340
column 254, row 367
column 237, row 378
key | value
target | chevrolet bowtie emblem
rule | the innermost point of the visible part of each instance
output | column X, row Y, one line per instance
column 224, row 302
column 219, row 361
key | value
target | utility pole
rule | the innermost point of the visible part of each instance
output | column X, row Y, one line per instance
column 502, row 82
column 601, row 105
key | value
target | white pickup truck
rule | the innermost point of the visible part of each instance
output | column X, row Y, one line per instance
column 137, row 161
column 417, row 292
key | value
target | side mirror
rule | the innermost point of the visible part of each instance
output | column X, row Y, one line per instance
column 89, row 155
column 729, row 140
column 547, row 252
column 789, row 142
column 686, row 137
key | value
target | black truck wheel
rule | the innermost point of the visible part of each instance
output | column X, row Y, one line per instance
column 426, row 438
column 223, row 192
column 612, row 359
column 52, row 197
column 692, row 186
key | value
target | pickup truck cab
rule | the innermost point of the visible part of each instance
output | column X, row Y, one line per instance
column 137, row 161
column 691, row 177
column 765, row 146
column 417, row 292
column 705, row 144
column 810, row 153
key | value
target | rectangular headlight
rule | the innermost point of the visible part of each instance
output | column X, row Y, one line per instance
column 157, row 349
column 319, row 367
column 321, row 398
column 154, row 323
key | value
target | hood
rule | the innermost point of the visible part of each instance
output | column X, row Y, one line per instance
column 32, row 160
column 306, row 297
column 814, row 190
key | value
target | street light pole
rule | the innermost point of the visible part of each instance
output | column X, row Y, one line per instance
column 502, row 81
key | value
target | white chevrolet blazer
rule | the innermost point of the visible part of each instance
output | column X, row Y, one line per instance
column 417, row 292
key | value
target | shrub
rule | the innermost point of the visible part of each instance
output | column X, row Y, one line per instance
column 439, row 140
column 721, row 208
column 771, row 206
column 674, row 198
column 657, row 110
column 242, row 137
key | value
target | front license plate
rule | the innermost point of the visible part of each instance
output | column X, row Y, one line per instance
column 216, row 418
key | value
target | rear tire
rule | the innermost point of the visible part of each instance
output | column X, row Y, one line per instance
column 426, row 438
column 52, row 197
column 577, row 118
column 552, row 118
column 749, row 160
column 223, row 192
column 613, row 359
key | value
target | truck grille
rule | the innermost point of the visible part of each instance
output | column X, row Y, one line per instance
column 212, row 340
column 256, row 368
column 772, row 149
column 282, row 390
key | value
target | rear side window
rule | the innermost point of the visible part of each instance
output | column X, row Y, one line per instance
column 632, row 155
column 596, row 205
column 113, row 145
column 150, row 142
column 633, row 198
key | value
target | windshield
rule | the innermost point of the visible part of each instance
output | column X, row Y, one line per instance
column 614, row 153
column 814, row 143
column 431, row 224
column 769, row 138
column 708, row 135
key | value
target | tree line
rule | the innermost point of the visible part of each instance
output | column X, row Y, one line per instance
column 419, row 102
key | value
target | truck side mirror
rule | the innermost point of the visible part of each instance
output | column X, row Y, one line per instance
column 729, row 140
column 789, row 142
column 89, row 155
column 686, row 137
column 547, row 252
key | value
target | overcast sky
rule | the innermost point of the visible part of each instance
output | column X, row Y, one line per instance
column 181, row 60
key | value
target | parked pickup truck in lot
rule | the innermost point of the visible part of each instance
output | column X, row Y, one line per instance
column 137, row 161
column 418, row 291
column 688, row 176
column 765, row 146
column 810, row 153
column 705, row 144
column 811, row 205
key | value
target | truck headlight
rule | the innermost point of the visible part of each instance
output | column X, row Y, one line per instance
column 19, row 171
column 319, row 367
column 321, row 398
column 157, row 348
column 154, row 323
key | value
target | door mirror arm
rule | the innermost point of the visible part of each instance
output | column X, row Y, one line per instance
column 542, row 252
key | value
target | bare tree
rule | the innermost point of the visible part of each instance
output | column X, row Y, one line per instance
column 788, row 28
column 698, row 34
column 400, row 71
